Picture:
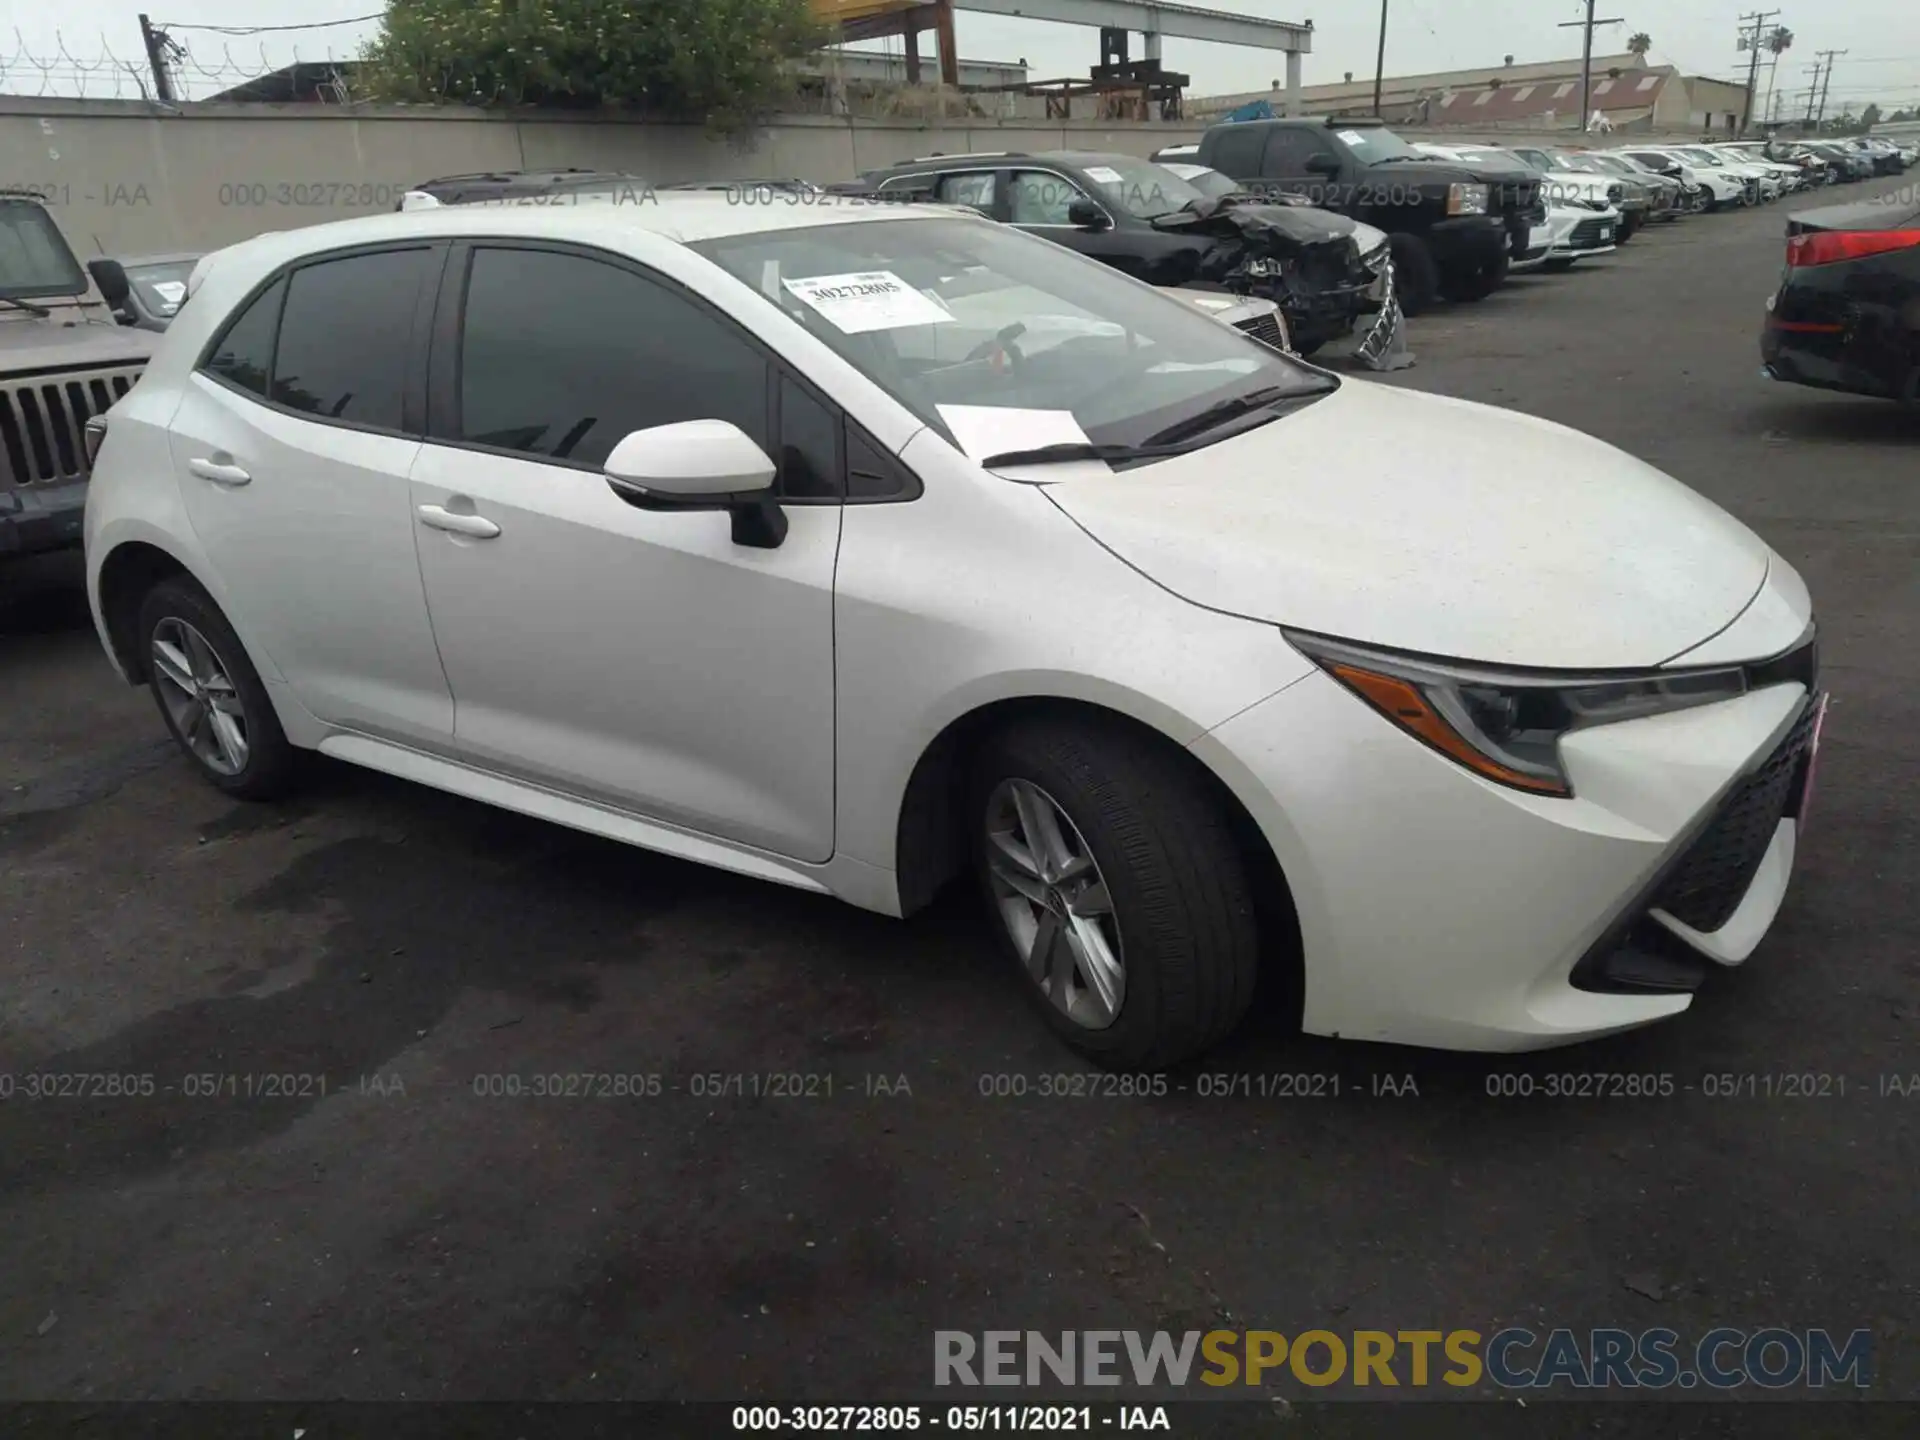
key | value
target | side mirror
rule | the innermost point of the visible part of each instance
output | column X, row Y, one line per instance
column 1323, row 164
column 111, row 277
column 1087, row 215
column 701, row 465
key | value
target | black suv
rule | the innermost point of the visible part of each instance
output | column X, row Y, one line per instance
column 1143, row 219
column 1455, row 226
column 503, row 187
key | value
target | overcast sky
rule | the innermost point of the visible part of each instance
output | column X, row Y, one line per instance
column 1881, row 36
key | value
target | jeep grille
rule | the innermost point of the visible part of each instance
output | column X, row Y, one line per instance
column 43, row 421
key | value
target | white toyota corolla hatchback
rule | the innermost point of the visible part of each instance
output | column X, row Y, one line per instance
column 861, row 547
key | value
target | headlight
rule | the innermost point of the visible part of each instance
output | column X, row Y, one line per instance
column 1506, row 725
column 1467, row 199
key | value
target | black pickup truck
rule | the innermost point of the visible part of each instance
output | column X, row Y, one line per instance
column 1454, row 226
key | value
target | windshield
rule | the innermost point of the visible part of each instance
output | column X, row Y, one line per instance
column 959, row 318
column 161, row 284
column 1210, row 183
column 1583, row 164
column 1140, row 187
column 1618, row 167
column 34, row 258
column 1704, row 157
column 1375, row 143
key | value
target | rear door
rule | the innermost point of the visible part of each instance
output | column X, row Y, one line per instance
column 292, row 444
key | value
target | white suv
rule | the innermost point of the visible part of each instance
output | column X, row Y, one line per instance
column 761, row 536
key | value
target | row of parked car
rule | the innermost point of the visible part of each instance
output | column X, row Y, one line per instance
column 859, row 547
column 1301, row 232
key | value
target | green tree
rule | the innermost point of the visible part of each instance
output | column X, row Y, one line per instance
column 1640, row 44
column 1870, row 116
column 722, row 62
column 1779, row 40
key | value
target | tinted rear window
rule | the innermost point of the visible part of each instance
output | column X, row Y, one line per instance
column 244, row 355
column 343, row 337
column 1236, row 150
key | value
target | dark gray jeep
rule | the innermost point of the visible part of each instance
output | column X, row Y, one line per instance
column 64, row 359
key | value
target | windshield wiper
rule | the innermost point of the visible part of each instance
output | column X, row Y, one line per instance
column 27, row 305
column 1068, row 451
column 1232, row 409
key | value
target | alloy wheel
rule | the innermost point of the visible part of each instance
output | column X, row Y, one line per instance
column 200, row 697
column 1055, row 904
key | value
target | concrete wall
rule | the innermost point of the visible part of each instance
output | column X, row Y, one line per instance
column 126, row 177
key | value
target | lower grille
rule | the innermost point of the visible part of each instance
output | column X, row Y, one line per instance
column 1709, row 883
column 1586, row 235
column 1265, row 329
column 43, row 421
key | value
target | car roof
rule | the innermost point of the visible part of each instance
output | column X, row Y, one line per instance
column 184, row 257
column 1084, row 158
column 683, row 216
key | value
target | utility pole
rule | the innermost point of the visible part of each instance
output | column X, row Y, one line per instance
column 1586, row 60
column 1752, row 43
column 1813, row 94
column 155, row 42
column 1826, row 85
column 1380, row 59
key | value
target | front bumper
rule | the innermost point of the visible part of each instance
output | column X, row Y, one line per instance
column 1468, row 243
column 39, row 518
column 1578, row 233
column 1438, row 909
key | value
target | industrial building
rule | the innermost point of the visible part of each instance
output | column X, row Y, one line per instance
column 1628, row 94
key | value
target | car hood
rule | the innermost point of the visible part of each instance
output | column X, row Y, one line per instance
column 1434, row 525
column 29, row 343
column 1580, row 184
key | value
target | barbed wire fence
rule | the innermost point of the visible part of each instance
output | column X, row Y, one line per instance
column 198, row 65
column 205, row 63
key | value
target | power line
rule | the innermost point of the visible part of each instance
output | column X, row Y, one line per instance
column 268, row 29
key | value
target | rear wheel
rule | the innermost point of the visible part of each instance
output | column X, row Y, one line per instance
column 1115, row 884
column 1414, row 272
column 210, row 695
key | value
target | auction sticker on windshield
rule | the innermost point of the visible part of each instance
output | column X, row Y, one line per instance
column 871, row 300
column 984, row 430
column 1353, row 137
column 1103, row 175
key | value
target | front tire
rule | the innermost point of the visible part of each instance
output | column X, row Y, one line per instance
column 210, row 696
column 1113, row 881
column 1479, row 284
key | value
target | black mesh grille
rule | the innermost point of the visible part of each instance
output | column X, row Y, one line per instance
column 1586, row 234
column 1265, row 329
column 1709, row 884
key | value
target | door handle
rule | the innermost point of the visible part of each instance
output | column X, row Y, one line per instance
column 218, row 473
column 476, row 527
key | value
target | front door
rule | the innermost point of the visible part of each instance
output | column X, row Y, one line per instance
column 637, row 658
column 292, row 446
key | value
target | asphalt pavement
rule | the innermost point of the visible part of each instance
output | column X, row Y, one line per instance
column 329, row 1192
